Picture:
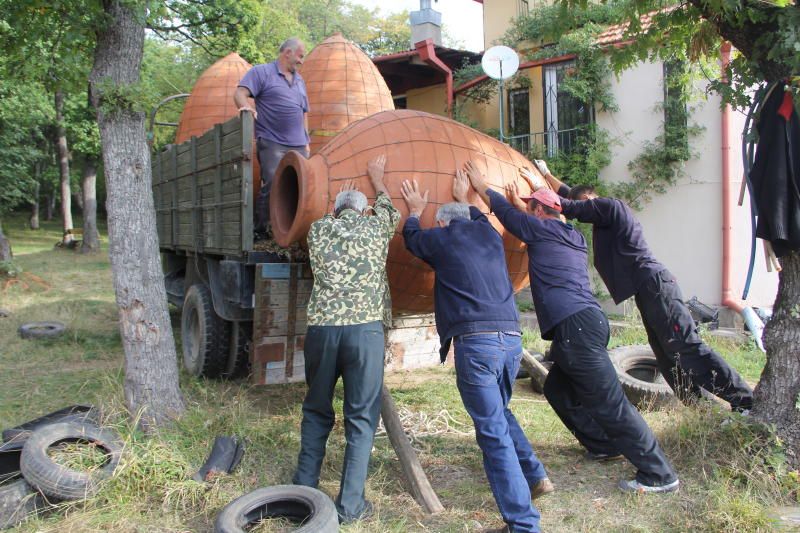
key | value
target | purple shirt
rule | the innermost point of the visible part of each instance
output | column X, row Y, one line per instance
column 279, row 104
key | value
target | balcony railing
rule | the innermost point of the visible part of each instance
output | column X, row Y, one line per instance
column 548, row 143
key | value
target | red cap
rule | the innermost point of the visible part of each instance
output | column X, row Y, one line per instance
column 546, row 197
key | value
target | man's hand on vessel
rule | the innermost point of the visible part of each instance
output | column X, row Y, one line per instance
column 375, row 168
column 476, row 178
column 536, row 182
column 461, row 187
column 415, row 201
column 512, row 193
column 349, row 185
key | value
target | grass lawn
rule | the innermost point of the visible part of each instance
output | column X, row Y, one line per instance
column 731, row 472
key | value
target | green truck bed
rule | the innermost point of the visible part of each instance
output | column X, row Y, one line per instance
column 203, row 191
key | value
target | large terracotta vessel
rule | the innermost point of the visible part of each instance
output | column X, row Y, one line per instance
column 427, row 148
column 211, row 100
column 343, row 86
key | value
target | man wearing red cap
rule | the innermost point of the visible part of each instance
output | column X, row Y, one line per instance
column 628, row 268
column 582, row 387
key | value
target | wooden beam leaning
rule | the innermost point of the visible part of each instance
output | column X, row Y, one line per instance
column 412, row 469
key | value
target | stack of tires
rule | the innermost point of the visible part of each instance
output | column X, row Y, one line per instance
column 31, row 480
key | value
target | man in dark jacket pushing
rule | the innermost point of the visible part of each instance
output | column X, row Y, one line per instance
column 628, row 268
column 582, row 387
column 475, row 308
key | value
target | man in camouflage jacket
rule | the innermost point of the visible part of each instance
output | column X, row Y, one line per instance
column 348, row 304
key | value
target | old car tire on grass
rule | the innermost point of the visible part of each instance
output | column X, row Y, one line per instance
column 57, row 480
column 17, row 500
column 205, row 335
column 41, row 330
column 313, row 508
column 73, row 413
column 637, row 370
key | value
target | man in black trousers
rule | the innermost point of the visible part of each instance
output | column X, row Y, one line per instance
column 628, row 268
column 582, row 387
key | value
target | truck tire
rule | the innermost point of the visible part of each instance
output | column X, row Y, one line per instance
column 238, row 359
column 313, row 509
column 205, row 335
column 637, row 370
column 59, row 481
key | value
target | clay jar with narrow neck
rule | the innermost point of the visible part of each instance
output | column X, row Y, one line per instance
column 418, row 146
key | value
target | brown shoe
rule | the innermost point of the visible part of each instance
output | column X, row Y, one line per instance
column 542, row 487
column 504, row 529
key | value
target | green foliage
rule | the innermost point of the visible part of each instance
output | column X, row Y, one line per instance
column 25, row 126
column 582, row 165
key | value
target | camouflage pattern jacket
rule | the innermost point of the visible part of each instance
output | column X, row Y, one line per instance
column 348, row 260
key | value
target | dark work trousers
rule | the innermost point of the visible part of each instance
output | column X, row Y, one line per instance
column 356, row 354
column 584, row 391
column 685, row 361
column 486, row 367
column 270, row 154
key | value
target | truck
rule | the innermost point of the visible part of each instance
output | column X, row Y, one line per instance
column 241, row 309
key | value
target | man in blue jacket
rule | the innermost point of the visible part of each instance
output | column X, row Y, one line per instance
column 475, row 308
column 582, row 386
column 628, row 268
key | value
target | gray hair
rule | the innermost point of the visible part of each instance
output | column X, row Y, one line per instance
column 354, row 200
column 452, row 211
column 291, row 44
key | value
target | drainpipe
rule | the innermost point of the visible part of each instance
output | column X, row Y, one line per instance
column 751, row 319
column 427, row 53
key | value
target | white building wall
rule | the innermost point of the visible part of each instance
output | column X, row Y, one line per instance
column 684, row 226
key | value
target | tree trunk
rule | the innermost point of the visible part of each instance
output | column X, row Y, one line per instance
column 151, row 368
column 63, row 167
column 37, row 171
column 5, row 246
column 49, row 206
column 91, row 240
column 777, row 395
column 77, row 196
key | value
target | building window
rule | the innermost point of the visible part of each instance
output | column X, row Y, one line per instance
column 564, row 115
column 676, row 114
column 522, row 8
column 519, row 119
column 400, row 102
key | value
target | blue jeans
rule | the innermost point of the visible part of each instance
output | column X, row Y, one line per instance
column 486, row 367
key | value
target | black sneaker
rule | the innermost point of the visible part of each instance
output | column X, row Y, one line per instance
column 601, row 457
column 631, row 485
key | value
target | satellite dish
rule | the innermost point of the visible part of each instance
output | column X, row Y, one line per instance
column 500, row 62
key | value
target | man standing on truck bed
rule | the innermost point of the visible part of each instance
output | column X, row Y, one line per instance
column 628, row 268
column 349, row 302
column 280, row 115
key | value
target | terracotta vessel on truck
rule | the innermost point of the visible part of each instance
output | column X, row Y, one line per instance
column 343, row 86
column 417, row 145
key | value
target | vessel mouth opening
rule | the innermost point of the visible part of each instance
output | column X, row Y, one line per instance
column 287, row 192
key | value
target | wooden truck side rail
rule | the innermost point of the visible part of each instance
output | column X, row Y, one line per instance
column 202, row 191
